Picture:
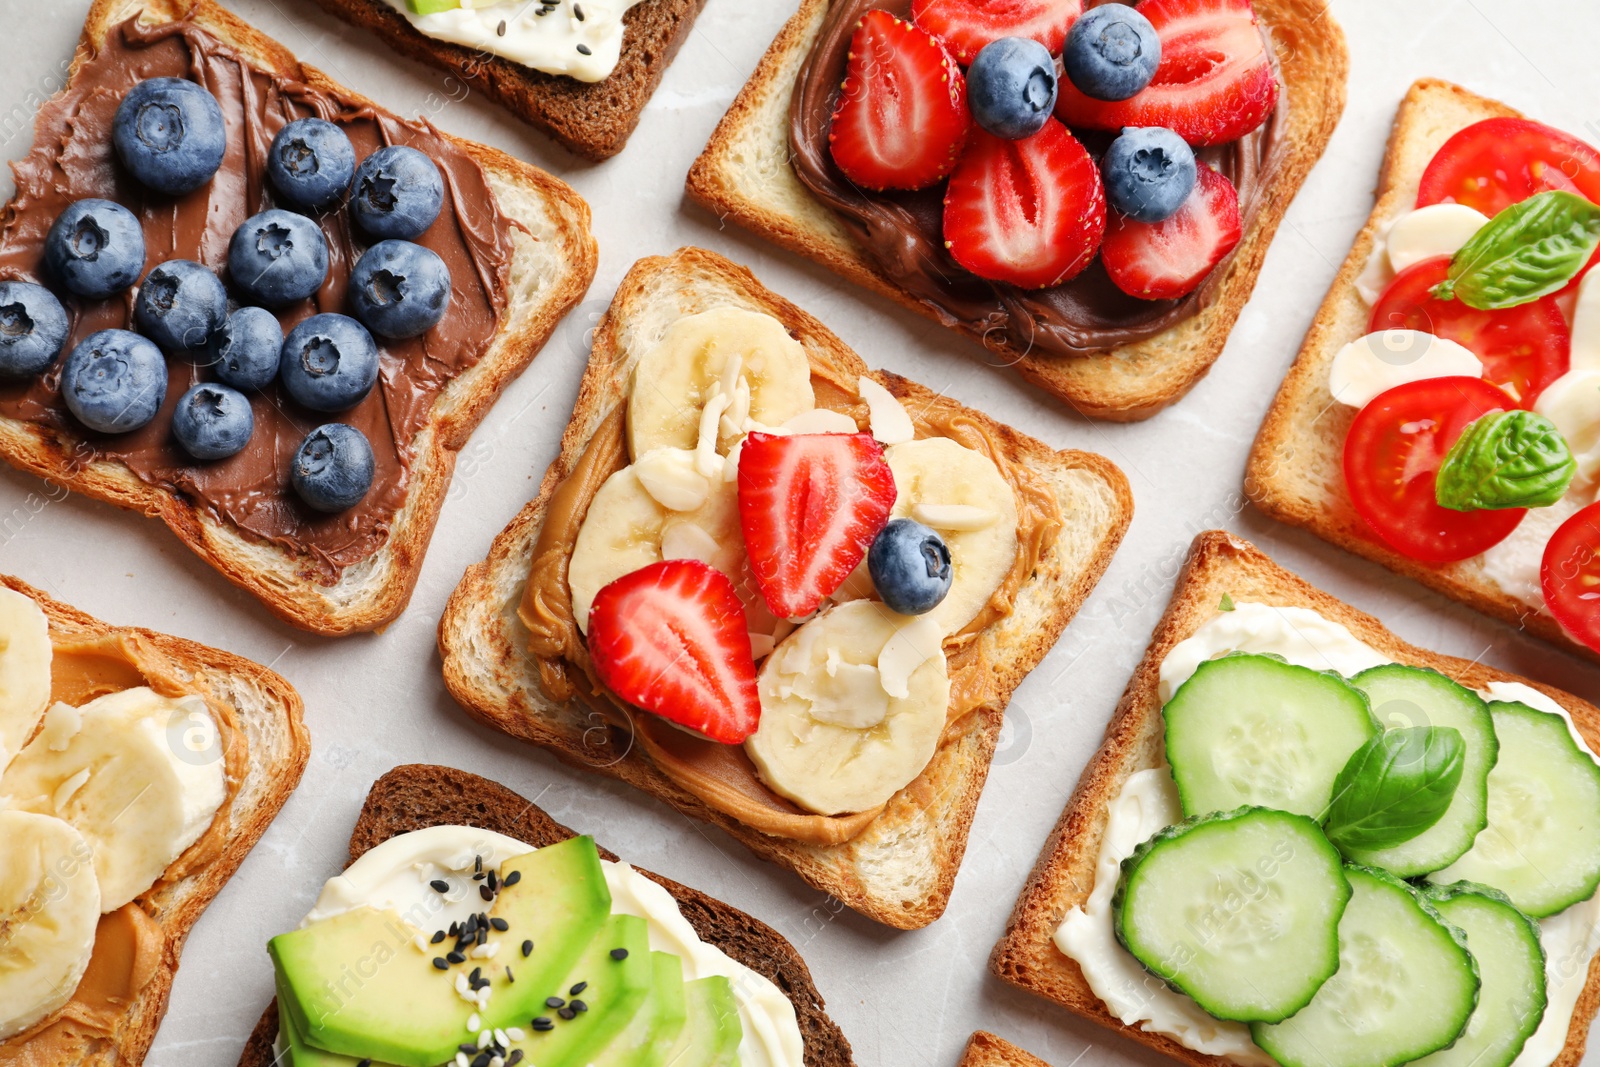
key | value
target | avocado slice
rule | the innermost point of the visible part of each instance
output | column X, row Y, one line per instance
column 614, row 991
column 712, row 1031
column 356, row 985
column 296, row 1053
column 430, row 7
column 646, row 1040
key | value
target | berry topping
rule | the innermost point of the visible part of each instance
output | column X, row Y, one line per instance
column 1111, row 53
column 1169, row 259
column 278, row 258
column 966, row 26
column 311, row 164
column 170, row 134
column 398, row 192
column 671, row 638
column 95, row 248
column 33, row 329
column 333, row 468
column 1012, row 87
column 399, row 289
column 910, row 567
column 114, row 381
column 212, row 421
column 901, row 120
column 1028, row 212
column 1148, row 173
column 245, row 352
column 329, row 363
column 809, row 506
column 1215, row 82
column 180, row 305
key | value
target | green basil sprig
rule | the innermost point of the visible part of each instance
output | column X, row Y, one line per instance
column 1529, row 250
column 1506, row 459
column 1395, row 786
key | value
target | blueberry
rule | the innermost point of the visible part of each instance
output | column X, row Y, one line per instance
column 311, row 163
column 1149, row 172
column 33, row 329
column 329, row 363
column 244, row 352
column 398, row 193
column 1011, row 87
column 910, row 567
column 170, row 134
column 96, row 248
column 213, row 421
column 1112, row 52
column 181, row 304
column 278, row 258
column 332, row 470
column 399, row 289
column 114, row 381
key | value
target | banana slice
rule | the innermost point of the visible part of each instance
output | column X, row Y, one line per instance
column 141, row 780
column 948, row 479
column 744, row 358
column 49, row 908
column 25, row 656
column 832, row 739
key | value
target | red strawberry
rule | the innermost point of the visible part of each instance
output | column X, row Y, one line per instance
column 965, row 26
column 810, row 505
column 671, row 638
column 1214, row 85
column 1168, row 259
column 1027, row 212
column 902, row 119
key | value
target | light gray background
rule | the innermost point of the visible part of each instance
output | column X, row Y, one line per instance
column 376, row 701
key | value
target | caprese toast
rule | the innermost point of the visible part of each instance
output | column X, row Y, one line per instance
column 1307, row 843
column 1087, row 190
column 1443, row 415
column 783, row 593
column 136, row 772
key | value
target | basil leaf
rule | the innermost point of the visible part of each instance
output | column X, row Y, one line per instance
column 1395, row 786
column 1506, row 459
column 1529, row 250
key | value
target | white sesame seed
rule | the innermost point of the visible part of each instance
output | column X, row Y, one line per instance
column 493, row 947
column 516, row 1033
column 461, row 982
column 484, row 1038
column 497, row 1062
column 473, row 1023
column 461, row 1060
column 422, row 944
column 502, row 1038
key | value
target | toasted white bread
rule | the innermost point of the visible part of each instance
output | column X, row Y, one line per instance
column 900, row 869
column 987, row 1050
column 1218, row 565
column 554, row 260
column 1296, row 472
column 744, row 175
column 268, row 713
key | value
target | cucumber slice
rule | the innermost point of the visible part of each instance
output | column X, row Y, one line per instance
column 1505, row 944
column 1411, row 696
column 1405, row 987
column 1240, row 910
column 1255, row 730
column 1542, row 845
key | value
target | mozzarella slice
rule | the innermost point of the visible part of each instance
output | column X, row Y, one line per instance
column 1380, row 361
column 1572, row 402
column 1435, row 230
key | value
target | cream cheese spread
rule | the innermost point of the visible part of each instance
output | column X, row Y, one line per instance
column 579, row 38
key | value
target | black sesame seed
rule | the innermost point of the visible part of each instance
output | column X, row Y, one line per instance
column 527, row 949
column 441, row 964
column 439, row 885
column 578, row 1005
column 456, row 957
column 483, row 935
column 455, row 929
column 471, row 927
column 554, row 1002
column 509, row 976
column 619, row 953
column 494, row 882
column 567, row 1013
column 516, row 1058
column 499, row 924
column 500, row 30
column 477, row 973
column 579, row 988
column 543, row 1023
column 577, row 12
column 364, row 1063
column 438, row 936
column 513, row 878
column 583, row 49
column 469, row 1047
column 477, row 863
column 482, row 1060
column 486, row 893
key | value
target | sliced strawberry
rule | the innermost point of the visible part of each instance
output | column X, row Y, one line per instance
column 902, row 119
column 965, row 26
column 809, row 506
column 1027, row 212
column 671, row 638
column 1214, row 85
column 1168, row 259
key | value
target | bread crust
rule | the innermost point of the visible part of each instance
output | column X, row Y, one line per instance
column 988, row 1050
column 901, row 869
column 1295, row 471
column 271, row 715
column 1124, row 385
column 369, row 594
column 1064, row 875
column 417, row 796
column 593, row 120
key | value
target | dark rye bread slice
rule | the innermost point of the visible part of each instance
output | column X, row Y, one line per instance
column 987, row 1050
column 417, row 796
column 594, row 120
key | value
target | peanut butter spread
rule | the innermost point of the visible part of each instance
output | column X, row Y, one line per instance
column 130, row 946
column 723, row 776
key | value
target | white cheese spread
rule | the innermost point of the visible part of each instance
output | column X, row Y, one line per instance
column 579, row 38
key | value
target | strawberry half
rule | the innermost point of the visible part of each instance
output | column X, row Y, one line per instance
column 1168, row 259
column 1214, row 85
column 809, row 506
column 965, row 26
column 1027, row 212
column 902, row 118
column 671, row 638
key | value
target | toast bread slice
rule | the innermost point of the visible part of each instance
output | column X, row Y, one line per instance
column 554, row 260
column 744, row 175
column 900, row 869
column 1295, row 473
column 988, row 1050
column 1064, row 875
column 593, row 120
column 417, row 796
column 270, row 714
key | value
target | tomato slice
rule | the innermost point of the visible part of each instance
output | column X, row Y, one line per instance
column 1523, row 348
column 1495, row 163
column 1570, row 576
column 1395, row 449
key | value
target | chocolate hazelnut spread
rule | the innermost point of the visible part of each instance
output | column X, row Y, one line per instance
column 903, row 232
column 72, row 158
